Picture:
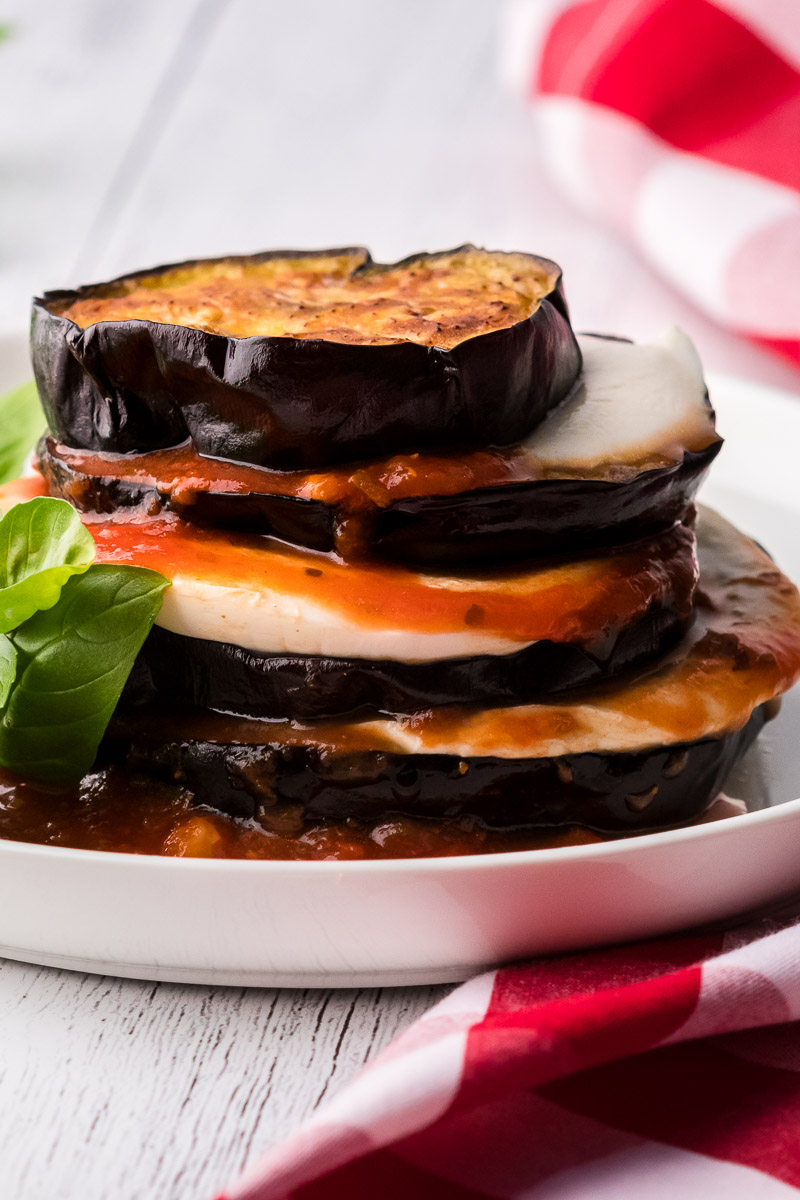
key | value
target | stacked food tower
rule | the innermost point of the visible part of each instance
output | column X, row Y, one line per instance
column 433, row 559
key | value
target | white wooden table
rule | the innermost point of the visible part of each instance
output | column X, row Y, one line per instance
column 151, row 130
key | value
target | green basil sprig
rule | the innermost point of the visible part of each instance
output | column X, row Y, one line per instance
column 70, row 634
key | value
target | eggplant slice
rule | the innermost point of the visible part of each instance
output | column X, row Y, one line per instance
column 605, row 792
column 632, row 756
column 309, row 687
column 292, row 359
column 621, row 459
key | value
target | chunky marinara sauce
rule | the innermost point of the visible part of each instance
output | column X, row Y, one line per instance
column 118, row 810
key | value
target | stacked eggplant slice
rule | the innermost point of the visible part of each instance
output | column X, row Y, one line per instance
column 432, row 555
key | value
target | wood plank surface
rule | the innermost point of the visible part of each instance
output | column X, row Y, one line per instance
column 115, row 1088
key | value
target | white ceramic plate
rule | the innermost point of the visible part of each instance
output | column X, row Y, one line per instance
column 440, row 920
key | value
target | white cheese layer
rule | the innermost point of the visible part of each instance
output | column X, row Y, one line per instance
column 635, row 402
column 269, row 622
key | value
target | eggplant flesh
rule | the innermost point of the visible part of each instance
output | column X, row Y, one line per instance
column 290, row 402
column 436, row 300
column 230, row 679
column 605, row 792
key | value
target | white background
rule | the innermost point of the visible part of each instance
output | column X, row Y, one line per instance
column 138, row 131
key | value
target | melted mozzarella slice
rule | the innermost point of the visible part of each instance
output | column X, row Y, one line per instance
column 273, row 599
column 268, row 622
column 635, row 403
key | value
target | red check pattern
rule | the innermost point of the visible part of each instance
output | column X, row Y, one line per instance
column 678, row 122
column 664, row 1069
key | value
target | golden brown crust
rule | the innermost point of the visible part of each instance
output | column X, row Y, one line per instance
column 438, row 300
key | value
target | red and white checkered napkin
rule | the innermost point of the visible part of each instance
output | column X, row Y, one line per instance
column 678, row 121
column 662, row 1070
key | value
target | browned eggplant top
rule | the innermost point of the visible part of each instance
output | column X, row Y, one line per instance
column 336, row 296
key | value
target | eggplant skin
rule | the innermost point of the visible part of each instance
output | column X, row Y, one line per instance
column 540, row 517
column 289, row 403
column 229, row 679
column 608, row 793
column 481, row 526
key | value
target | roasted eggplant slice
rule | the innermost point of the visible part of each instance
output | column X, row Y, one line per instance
column 605, row 792
column 309, row 688
column 294, row 360
column 638, row 755
column 621, row 459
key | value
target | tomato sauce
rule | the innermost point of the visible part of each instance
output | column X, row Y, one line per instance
column 572, row 602
column 184, row 474
column 133, row 814
column 118, row 810
column 744, row 650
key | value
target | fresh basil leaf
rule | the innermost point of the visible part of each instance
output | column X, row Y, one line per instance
column 8, row 668
column 42, row 545
column 73, row 661
column 21, row 422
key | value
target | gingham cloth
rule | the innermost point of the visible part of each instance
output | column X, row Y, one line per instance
column 678, row 122
column 666, row 1070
